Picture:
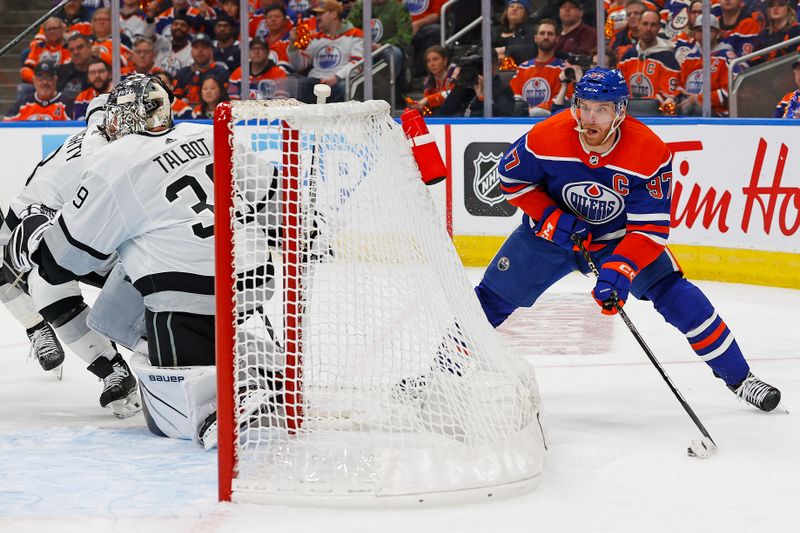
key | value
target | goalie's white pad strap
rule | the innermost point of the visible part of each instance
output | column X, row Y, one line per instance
column 118, row 312
column 176, row 400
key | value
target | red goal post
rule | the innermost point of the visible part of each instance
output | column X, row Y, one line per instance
column 360, row 368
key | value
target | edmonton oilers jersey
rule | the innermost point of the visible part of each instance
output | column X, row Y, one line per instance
column 625, row 190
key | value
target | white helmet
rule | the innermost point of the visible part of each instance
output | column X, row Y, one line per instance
column 139, row 103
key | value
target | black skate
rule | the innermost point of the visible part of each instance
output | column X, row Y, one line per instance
column 46, row 347
column 757, row 393
column 120, row 391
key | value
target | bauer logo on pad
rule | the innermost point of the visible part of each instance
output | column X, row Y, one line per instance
column 482, row 194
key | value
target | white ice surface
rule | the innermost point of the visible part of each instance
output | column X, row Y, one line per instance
column 617, row 460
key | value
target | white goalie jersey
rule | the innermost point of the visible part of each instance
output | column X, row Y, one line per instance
column 149, row 197
column 56, row 178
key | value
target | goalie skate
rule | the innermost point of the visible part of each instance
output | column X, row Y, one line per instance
column 757, row 393
column 120, row 391
column 260, row 409
column 47, row 349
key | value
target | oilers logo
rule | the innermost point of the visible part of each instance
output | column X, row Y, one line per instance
column 593, row 202
column 694, row 82
column 536, row 91
column 640, row 86
column 266, row 89
column 416, row 7
column 328, row 57
column 377, row 30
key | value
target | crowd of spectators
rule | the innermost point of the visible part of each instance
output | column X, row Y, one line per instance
column 539, row 49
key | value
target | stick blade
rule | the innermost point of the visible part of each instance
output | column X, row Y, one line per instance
column 702, row 449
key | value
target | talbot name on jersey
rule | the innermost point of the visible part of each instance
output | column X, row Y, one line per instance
column 182, row 154
column 592, row 201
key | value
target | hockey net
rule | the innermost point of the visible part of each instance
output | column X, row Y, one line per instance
column 354, row 360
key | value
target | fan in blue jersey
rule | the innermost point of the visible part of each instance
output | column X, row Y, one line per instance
column 605, row 177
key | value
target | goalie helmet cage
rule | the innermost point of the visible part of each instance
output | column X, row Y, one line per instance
column 385, row 383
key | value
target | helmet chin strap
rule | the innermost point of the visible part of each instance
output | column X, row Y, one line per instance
column 615, row 124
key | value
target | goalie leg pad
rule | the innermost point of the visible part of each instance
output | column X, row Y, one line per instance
column 118, row 312
column 20, row 305
column 685, row 306
column 176, row 400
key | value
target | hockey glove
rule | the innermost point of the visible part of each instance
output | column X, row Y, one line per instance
column 558, row 227
column 26, row 236
column 614, row 283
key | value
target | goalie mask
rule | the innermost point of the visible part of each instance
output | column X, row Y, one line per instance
column 139, row 103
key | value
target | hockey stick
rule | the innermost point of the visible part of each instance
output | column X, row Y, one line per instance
column 27, row 30
column 702, row 448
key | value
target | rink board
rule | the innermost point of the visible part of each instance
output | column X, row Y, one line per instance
column 736, row 190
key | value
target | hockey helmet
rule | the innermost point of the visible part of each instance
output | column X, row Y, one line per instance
column 139, row 103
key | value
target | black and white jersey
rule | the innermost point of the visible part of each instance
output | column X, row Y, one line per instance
column 56, row 178
column 149, row 197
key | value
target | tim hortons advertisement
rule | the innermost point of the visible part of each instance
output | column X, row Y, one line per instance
column 734, row 186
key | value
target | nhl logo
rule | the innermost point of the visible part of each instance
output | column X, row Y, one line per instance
column 503, row 263
column 593, row 159
column 486, row 184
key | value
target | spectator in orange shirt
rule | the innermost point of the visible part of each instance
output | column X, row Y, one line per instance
column 212, row 92
column 275, row 32
column 73, row 76
column 46, row 103
column 628, row 36
column 789, row 106
column 691, row 75
column 52, row 49
column 99, row 83
column 439, row 81
column 267, row 80
column 143, row 59
column 425, row 29
column 739, row 27
column 537, row 80
column 76, row 17
column 101, row 37
column 650, row 68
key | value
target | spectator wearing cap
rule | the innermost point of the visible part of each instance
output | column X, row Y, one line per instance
column 175, row 53
column 46, row 103
column 690, row 82
column 781, row 26
column 425, row 30
column 650, row 67
column 226, row 48
column 73, row 77
column 143, row 59
column 330, row 55
column 101, row 38
column 189, row 79
column 132, row 20
column 52, row 48
column 267, row 80
column 163, row 21
column 575, row 37
column 789, row 106
column 99, row 83
column 516, row 28
column 180, row 109
column 272, row 24
column 684, row 41
column 740, row 27
column 391, row 24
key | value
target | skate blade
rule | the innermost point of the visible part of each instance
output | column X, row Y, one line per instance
column 126, row 407
column 58, row 372
column 209, row 437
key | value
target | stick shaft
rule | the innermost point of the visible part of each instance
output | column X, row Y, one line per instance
column 647, row 351
column 27, row 30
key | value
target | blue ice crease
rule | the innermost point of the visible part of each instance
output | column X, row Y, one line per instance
column 113, row 472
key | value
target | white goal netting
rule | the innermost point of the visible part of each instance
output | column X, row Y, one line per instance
column 365, row 369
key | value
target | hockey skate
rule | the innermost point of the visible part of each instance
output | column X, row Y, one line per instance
column 47, row 349
column 757, row 393
column 120, row 391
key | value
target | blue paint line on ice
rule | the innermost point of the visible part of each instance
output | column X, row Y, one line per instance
column 113, row 472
